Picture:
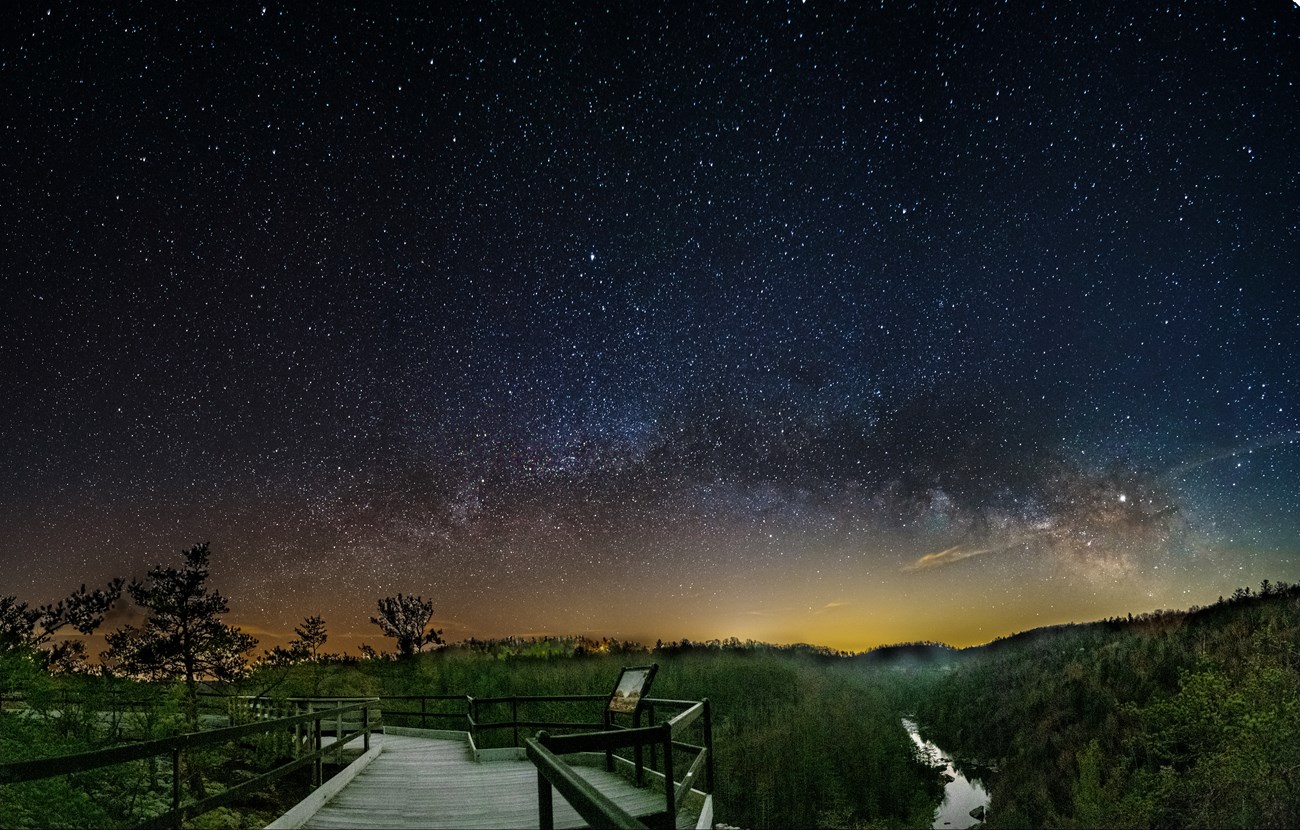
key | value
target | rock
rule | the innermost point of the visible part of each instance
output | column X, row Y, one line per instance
column 978, row 813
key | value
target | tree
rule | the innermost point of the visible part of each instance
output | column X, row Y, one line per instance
column 25, row 629
column 407, row 620
column 183, row 635
column 310, row 638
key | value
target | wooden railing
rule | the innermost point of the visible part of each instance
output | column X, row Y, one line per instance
column 599, row 811
column 469, row 716
column 665, row 741
column 596, row 808
column 20, row 771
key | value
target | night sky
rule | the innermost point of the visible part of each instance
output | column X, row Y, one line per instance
column 837, row 323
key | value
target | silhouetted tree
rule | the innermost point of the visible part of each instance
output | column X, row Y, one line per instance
column 183, row 635
column 30, row 629
column 310, row 638
column 281, row 657
column 407, row 620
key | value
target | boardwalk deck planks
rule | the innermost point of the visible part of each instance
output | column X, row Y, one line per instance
column 431, row 783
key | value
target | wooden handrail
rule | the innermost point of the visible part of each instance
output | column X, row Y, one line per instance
column 536, row 724
column 543, row 698
column 688, row 780
column 17, row 771
column 544, row 751
column 37, row 769
column 660, row 737
column 684, row 719
column 602, row 741
column 596, row 808
column 660, row 701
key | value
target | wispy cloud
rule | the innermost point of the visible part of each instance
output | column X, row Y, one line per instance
column 958, row 552
column 1230, row 452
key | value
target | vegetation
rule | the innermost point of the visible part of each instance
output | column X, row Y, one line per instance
column 408, row 620
column 1168, row 719
column 29, row 631
column 803, row 737
column 310, row 638
column 183, row 636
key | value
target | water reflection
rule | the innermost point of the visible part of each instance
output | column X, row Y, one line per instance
column 960, row 794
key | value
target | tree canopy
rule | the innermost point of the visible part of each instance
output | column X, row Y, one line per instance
column 182, row 635
column 23, row 628
column 408, row 621
column 310, row 637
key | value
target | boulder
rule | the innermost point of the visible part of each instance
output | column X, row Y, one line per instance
column 978, row 813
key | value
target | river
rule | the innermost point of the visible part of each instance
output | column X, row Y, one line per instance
column 960, row 795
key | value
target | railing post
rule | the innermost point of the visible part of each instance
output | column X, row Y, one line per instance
column 176, row 786
column 609, row 753
column 338, row 733
column 654, row 748
column 545, row 808
column 365, row 728
column 638, row 753
column 317, row 773
column 471, row 711
column 708, row 742
column 514, row 717
column 670, row 786
column 545, row 803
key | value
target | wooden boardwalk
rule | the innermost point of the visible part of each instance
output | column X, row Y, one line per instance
column 421, row 782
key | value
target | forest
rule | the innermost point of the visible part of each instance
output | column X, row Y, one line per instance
column 1167, row 719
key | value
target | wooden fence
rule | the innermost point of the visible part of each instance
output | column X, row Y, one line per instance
column 662, row 742
column 312, row 751
column 308, row 717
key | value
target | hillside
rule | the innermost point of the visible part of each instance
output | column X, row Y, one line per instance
column 1170, row 719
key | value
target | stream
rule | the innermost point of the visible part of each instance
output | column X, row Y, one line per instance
column 960, row 795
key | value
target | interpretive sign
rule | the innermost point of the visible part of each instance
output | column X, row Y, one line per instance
column 633, row 684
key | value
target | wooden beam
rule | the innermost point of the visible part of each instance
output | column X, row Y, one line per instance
column 596, row 808
column 600, row 741
column 689, row 779
column 685, row 719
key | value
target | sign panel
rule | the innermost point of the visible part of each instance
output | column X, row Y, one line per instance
column 633, row 684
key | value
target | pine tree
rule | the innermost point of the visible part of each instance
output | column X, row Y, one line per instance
column 407, row 620
column 29, row 630
column 183, row 636
column 309, row 638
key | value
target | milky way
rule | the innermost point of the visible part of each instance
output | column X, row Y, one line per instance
column 801, row 321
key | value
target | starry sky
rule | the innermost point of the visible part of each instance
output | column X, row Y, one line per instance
column 843, row 323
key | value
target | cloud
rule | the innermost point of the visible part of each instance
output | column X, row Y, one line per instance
column 1230, row 452
column 957, row 553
